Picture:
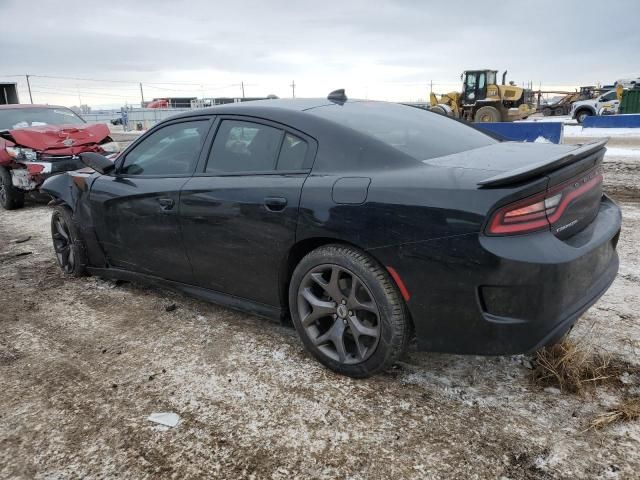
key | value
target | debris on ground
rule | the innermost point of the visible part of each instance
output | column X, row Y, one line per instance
column 170, row 308
column 627, row 410
column 168, row 419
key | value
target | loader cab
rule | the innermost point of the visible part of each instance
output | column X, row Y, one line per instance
column 474, row 85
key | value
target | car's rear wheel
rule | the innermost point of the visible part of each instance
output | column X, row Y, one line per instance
column 10, row 197
column 67, row 243
column 347, row 311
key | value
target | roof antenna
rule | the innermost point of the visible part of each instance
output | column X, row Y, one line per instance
column 338, row 96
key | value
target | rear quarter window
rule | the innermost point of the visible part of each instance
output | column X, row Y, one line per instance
column 413, row 131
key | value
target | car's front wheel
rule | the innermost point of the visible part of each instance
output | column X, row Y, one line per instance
column 67, row 242
column 10, row 197
column 347, row 311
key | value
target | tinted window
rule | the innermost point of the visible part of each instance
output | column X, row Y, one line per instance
column 244, row 147
column 292, row 153
column 171, row 150
column 14, row 118
column 609, row 96
column 414, row 131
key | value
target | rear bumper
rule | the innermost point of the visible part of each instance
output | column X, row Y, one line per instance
column 505, row 295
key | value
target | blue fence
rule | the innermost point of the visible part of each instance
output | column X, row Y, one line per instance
column 612, row 121
column 525, row 131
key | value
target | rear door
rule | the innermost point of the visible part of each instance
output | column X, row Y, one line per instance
column 136, row 209
column 239, row 213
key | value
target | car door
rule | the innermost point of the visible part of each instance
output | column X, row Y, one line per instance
column 239, row 213
column 136, row 208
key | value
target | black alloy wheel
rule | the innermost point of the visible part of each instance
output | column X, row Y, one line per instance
column 339, row 313
column 348, row 311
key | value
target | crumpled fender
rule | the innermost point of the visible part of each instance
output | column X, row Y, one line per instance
column 68, row 188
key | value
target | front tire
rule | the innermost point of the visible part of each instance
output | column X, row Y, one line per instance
column 10, row 197
column 67, row 243
column 347, row 311
column 487, row 114
column 580, row 116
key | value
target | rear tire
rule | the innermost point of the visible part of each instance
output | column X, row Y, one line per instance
column 546, row 111
column 11, row 198
column 487, row 114
column 68, row 245
column 347, row 311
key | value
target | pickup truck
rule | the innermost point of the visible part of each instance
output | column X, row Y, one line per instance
column 606, row 103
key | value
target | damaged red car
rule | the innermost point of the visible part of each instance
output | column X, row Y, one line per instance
column 38, row 141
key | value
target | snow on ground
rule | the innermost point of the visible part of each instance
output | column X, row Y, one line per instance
column 579, row 131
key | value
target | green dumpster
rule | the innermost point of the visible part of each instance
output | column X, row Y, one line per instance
column 630, row 102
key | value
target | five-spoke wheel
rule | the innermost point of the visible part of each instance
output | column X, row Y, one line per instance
column 67, row 244
column 347, row 310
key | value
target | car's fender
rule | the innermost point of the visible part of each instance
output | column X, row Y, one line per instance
column 68, row 188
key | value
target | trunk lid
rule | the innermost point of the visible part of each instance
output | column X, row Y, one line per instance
column 572, row 175
column 58, row 139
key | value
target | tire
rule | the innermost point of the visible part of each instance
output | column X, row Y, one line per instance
column 546, row 111
column 359, row 334
column 68, row 245
column 487, row 114
column 557, row 112
column 11, row 198
column 582, row 114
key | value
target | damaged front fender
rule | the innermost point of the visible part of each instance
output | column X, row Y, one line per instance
column 68, row 188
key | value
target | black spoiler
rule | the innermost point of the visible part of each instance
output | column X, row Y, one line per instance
column 537, row 169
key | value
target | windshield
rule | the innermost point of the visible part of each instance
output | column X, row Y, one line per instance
column 14, row 118
column 414, row 131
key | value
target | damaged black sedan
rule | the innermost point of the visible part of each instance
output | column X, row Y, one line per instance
column 364, row 222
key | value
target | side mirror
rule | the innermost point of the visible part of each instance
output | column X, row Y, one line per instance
column 97, row 162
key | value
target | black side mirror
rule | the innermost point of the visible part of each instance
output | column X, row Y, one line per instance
column 97, row 162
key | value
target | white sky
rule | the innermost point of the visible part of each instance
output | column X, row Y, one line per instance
column 381, row 49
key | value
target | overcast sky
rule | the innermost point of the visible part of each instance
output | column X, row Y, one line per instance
column 388, row 50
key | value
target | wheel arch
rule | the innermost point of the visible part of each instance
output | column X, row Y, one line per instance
column 301, row 248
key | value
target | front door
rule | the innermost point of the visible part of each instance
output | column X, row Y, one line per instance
column 136, row 209
column 475, row 87
column 239, row 214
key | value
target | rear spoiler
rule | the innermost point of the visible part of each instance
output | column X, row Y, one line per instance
column 537, row 169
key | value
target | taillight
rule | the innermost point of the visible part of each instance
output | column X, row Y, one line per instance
column 540, row 211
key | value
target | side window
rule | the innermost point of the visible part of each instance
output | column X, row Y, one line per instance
column 244, row 147
column 292, row 153
column 481, row 81
column 609, row 96
column 172, row 150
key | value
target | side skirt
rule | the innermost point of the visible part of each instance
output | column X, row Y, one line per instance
column 236, row 303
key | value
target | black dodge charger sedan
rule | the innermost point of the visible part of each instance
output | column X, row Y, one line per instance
column 364, row 222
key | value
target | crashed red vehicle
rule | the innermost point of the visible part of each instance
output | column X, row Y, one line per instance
column 38, row 141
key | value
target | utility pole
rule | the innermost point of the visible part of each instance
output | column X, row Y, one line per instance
column 293, row 88
column 141, row 95
column 242, row 85
column 29, row 87
column 430, row 87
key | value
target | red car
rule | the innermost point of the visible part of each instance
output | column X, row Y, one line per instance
column 37, row 141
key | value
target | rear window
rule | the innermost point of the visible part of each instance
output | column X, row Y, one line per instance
column 414, row 131
column 14, row 118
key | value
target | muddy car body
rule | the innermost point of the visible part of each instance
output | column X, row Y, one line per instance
column 38, row 141
column 386, row 221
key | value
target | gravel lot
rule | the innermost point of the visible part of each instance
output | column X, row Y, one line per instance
column 84, row 362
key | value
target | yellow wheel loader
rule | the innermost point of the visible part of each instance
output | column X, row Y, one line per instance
column 483, row 100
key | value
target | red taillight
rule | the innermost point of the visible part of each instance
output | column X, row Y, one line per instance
column 539, row 211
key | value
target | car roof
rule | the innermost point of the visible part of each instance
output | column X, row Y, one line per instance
column 29, row 105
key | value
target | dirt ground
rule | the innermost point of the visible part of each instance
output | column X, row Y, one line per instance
column 84, row 362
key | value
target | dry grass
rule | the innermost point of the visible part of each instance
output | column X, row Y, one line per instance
column 572, row 366
column 627, row 410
